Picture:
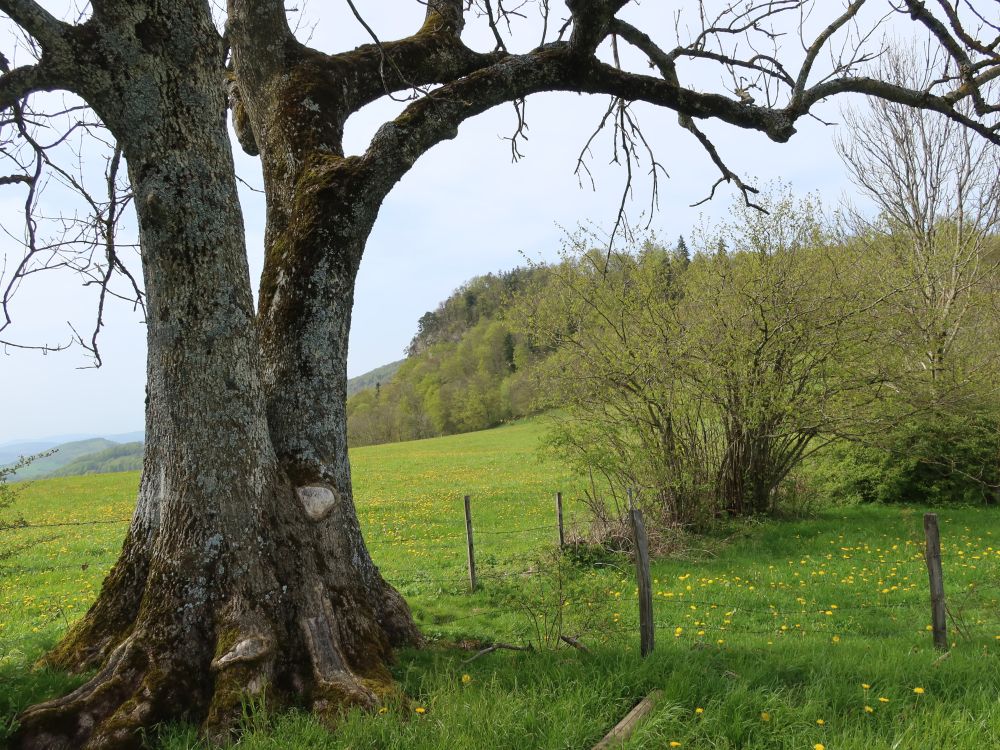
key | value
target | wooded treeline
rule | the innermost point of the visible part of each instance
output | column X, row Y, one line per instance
column 776, row 357
column 466, row 368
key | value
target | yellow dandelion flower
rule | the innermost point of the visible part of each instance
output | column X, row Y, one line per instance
column 883, row 700
column 869, row 710
column 699, row 710
column 866, row 686
column 918, row 690
column 466, row 679
column 675, row 743
column 821, row 722
column 765, row 716
column 420, row 710
column 819, row 746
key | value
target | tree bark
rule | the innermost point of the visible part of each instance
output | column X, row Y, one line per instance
column 321, row 209
column 244, row 569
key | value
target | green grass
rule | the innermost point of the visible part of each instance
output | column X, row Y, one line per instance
column 787, row 619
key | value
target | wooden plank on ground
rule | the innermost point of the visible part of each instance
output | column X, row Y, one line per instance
column 624, row 728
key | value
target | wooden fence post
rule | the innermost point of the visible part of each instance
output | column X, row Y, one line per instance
column 559, row 520
column 468, row 539
column 646, row 624
column 932, row 555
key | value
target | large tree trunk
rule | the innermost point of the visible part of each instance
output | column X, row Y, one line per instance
column 243, row 570
column 307, row 293
column 321, row 207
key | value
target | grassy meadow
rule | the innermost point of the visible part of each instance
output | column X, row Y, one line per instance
column 805, row 634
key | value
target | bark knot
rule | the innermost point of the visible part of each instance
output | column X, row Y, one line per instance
column 318, row 500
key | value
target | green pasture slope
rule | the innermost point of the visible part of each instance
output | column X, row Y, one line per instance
column 788, row 635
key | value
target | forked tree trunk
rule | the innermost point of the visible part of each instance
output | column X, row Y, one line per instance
column 321, row 208
column 244, row 570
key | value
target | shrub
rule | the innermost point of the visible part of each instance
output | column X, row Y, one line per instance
column 945, row 459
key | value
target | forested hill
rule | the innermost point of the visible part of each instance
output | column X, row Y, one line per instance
column 91, row 456
column 373, row 378
column 121, row 457
column 464, row 369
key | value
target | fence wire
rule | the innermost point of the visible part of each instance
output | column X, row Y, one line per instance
column 530, row 555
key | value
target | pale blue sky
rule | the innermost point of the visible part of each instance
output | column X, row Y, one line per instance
column 463, row 210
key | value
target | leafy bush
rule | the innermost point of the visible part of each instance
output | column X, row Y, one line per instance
column 848, row 473
column 697, row 382
column 947, row 459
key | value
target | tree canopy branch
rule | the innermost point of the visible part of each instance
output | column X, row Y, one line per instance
column 18, row 83
column 820, row 42
column 663, row 61
column 435, row 54
column 894, row 93
column 966, row 68
column 34, row 19
column 970, row 41
column 445, row 15
column 592, row 21
column 555, row 67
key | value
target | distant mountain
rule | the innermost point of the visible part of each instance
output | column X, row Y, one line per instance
column 378, row 376
column 12, row 451
column 123, row 457
column 126, row 437
column 63, row 455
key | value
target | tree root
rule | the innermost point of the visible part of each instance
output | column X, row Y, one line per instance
column 331, row 658
column 110, row 711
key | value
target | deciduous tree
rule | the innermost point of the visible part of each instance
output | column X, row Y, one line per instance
column 244, row 568
column 937, row 191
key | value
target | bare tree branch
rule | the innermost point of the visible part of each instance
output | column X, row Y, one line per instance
column 591, row 22
column 900, row 95
column 668, row 70
column 18, row 83
column 817, row 46
column 34, row 19
column 727, row 174
column 989, row 49
column 966, row 67
column 73, row 250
